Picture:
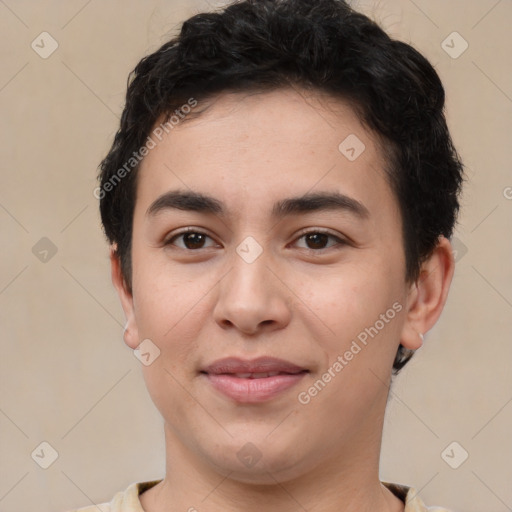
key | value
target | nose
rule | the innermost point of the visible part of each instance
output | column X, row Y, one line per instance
column 251, row 298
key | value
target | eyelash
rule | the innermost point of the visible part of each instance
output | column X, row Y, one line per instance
column 339, row 241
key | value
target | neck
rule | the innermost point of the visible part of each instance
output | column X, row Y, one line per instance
column 341, row 483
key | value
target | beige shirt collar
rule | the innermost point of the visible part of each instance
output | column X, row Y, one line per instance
column 128, row 500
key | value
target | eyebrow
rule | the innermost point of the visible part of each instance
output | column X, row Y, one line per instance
column 310, row 202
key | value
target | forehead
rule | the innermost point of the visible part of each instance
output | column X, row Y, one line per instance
column 252, row 149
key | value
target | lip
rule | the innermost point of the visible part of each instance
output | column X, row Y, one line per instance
column 259, row 365
column 224, row 376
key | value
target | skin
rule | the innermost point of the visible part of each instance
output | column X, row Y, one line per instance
column 301, row 301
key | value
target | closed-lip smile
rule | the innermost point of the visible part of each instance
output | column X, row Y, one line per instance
column 253, row 381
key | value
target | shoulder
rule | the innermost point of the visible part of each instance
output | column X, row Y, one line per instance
column 123, row 501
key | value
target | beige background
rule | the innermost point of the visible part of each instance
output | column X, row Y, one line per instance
column 66, row 376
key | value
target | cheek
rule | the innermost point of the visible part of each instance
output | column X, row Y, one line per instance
column 163, row 297
column 172, row 321
column 350, row 299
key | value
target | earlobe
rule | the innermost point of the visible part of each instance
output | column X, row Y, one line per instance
column 131, row 333
column 427, row 296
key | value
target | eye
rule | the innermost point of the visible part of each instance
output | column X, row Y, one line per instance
column 191, row 238
column 317, row 240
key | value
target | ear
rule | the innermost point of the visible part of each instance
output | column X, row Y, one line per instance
column 427, row 296
column 131, row 332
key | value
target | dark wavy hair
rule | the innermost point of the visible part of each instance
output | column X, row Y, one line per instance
column 324, row 45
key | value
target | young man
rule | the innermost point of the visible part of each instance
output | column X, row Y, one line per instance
column 278, row 200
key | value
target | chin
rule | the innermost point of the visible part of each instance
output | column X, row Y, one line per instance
column 269, row 466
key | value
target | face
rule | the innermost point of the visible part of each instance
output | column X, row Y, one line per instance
column 269, row 271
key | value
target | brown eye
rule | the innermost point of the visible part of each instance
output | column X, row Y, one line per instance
column 191, row 240
column 318, row 240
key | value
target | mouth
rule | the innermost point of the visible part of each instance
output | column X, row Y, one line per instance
column 258, row 375
column 253, row 381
